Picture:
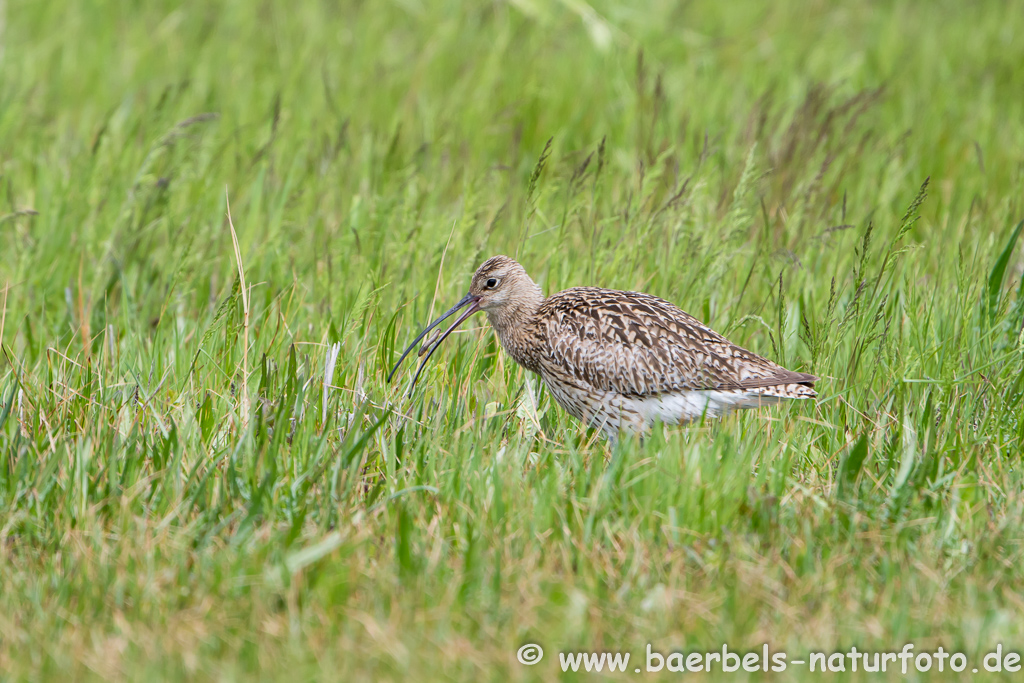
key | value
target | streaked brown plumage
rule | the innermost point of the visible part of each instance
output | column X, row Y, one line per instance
column 619, row 360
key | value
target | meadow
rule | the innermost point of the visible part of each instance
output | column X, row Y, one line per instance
column 205, row 476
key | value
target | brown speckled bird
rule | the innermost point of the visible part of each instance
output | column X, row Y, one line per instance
column 618, row 360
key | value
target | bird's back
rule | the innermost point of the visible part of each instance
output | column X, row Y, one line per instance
column 638, row 345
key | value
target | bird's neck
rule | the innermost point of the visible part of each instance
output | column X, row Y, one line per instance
column 513, row 325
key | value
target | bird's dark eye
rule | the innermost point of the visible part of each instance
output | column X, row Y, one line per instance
column 492, row 283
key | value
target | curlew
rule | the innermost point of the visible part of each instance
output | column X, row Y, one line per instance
column 618, row 361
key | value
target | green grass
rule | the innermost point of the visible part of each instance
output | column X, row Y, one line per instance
column 838, row 188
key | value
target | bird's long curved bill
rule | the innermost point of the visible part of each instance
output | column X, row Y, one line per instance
column 469, row 300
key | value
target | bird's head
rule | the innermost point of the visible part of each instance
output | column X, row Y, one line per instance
column 500, row 287
column 499, row 283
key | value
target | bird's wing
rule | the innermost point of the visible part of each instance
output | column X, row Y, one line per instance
column 639, row 345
